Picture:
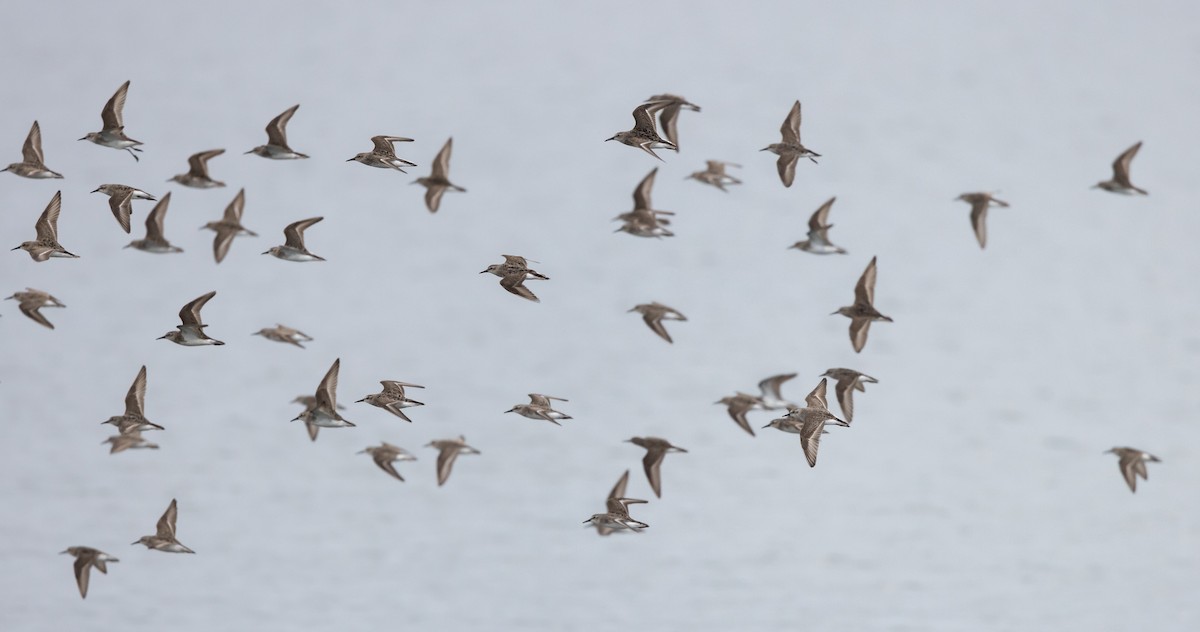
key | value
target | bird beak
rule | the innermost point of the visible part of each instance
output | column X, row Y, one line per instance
column 767, row 426
column 481, row 272
column 834, row 313
column 97, row 191
column 84, row 138
column 248, row 152
column 17, row 248
column 161, row 337
column 360, row 400
column 361, row 452
column 608, row 139
column 349, row 160
column 138, row 542
column 764, row 148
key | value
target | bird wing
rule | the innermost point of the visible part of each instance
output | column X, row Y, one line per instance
column 652, row 463
column 643, row 122
column 135, row 400
column 770, row 386
column 1127, row 464
column 810, row 439
column 441, row 163
column 198, row 163
column 31, row 151
column 166, row 524
column 618, row 490
column 384, row 458
column 791, row 126
column 294, row 232
column 514, row 283
column 433, row 196
column 82, row 571
column 222, row 241
column 820, row 218
column 47, row 224
column 738, row 410
column 277, row 128
column 32, row 307
column 190, row 314
column 787, row 168
column 122, row 208
column 653, row 320
column 858, row 333
column 154, row 221
column 845, row 395
column 1121, row 165
column 979, row 222
column 233, row 212
column 864, row 290
column 113, row 109
column 383, row 144
column 667, row 118
column 537, row 399
column 445, row 462
column 514, row 260
column 816, row 399
column 327, row 390
column 641, row 195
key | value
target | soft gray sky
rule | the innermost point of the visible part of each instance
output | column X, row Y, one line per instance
column 971, row 492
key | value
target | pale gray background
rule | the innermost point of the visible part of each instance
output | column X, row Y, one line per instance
column 971, row 493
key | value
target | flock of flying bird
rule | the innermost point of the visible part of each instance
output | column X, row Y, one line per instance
column 321, row 409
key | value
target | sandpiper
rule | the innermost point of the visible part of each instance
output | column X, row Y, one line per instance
column 809, row 422
column 738, row 405
column 85, row 558
column 771, row 399
column 818, row 233
column 979, row 209
column 197, row 175
column 714, row 174
column 309, row 402
column 1133, row 464
column 33, row 162
column 668, row 106
column 31, row 301
column 863, row 311
column 190, row 330
column 1120, row 182
column 644, row 220
column 134, row 418
column 439, row 179
column 164, row 536
column 277, row 146
column 617, row 517
column 606, row 526
column 392, row 398
column 46, row 245
column 283, row 333
column 383, row 156
column 848, row 381
column 656, row 450
column 513, row 273
column 325, row 412
column 293, row 248
column 113, row 133
column 385, row 456
column 654, row 313
column 120, row 201
column 130, row 440
column 644, row 135
column 448, row 451
column 155, row 240
column 229, row 226
column 790, row 150
column 539, row 408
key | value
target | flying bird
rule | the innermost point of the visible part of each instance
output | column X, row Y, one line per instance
column 513, row 273
column 46, row 245
column 818, row 233
column 164, row 536
column 197, row 174
column 790, row 150
column 155, row 240
column 229, row 226
column 385, row 456
column 190, row 330
column 85, row 559
column 31, row 301
column 438, row 181
column 113, row 132
column 863, row 311
column 277, row 145
column 33, row 163
column 293, row 248
column 654, row 313
column 1120, row 182
column 656, row 451
column 1133, row 464
column 644, row 135
column 979, row 209
column 120, row 201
